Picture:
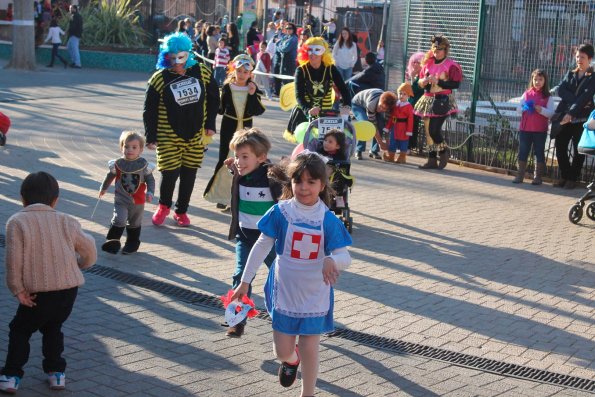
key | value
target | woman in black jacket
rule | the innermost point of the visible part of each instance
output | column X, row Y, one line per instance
column 233, row 39
column 576, row 90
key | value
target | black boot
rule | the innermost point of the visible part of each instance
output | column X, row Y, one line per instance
column 431, row 164
column 443, row 159
column 132, row 240
column 112, row 244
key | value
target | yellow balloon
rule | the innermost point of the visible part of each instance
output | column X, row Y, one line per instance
column 287, row 99
column 364, row 130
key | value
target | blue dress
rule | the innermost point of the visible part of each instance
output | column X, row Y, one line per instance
column 296, row 297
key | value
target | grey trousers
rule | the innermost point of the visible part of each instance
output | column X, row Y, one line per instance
column 126, row 213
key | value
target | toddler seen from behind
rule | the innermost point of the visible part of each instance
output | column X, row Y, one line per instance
column 45, row 252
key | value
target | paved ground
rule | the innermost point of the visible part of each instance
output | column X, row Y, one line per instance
column 459, row 259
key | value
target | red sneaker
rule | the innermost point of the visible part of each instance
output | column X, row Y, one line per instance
column 182, row 219
column 160, row 215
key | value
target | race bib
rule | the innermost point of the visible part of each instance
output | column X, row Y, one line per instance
column 325, row 124
column 186, row 92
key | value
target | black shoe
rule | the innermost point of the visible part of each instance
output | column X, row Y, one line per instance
column 358, row 155
column 130, row 247
column 112, row 243
column 2, row 139
column 49, row 66
column 375, row 155
column 570, row 185
column 560, row 183
column 75, row 66
column 443, row 159
column 221, row 206
column 288, row 373
column 236, row 332
column 431, row 164
column 111, row 246
column 132, row 240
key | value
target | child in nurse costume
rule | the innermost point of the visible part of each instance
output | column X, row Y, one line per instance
column 311, row 246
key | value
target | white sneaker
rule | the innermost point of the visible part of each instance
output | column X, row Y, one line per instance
column 9, row 384
column 57, row 380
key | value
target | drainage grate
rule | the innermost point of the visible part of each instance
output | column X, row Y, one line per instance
column 182, row 294
column 466, row 360
column 394, row 345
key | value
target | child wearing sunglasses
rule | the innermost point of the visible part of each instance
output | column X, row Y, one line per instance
column 240, row 102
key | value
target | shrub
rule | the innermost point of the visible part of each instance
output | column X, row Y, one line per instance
column 114, row 23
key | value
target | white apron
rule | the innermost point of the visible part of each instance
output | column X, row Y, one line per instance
column 299, row 289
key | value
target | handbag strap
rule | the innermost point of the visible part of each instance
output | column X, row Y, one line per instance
column 580, row 85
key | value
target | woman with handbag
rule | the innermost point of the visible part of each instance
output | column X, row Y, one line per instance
column 576, row 91
column 439, row 75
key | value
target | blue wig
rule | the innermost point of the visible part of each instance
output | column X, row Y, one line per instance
column 172, row 44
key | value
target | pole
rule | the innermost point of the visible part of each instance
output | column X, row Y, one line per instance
column 323, row 9
column 406, row 40
column 383, row 31
column 478, row 55
column 23, row 36
column 151, row 28
column 265, row 15
column 476, row 73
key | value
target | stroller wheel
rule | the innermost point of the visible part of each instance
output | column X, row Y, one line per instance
column 575, row 214
column 591, row 211
column 347, row 220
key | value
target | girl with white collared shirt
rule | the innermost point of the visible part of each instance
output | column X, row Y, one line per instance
column 54, row 34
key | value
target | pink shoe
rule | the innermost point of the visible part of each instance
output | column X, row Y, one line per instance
column 182, row 219
column 160, row 215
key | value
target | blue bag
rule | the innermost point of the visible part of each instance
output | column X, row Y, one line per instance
column 586, row 145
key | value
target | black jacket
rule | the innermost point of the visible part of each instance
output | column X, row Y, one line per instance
column 75, row 28
column 578, row 104
column 372, row 76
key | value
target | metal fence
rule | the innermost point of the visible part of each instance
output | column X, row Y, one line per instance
column 498, row 43
column 518, row 37
column 497, row 146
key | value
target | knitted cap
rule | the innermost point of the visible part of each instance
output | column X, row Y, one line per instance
column 406, row 88
column 4, row 123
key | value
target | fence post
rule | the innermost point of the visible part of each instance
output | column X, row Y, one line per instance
column 406, row 46
column 476, row 73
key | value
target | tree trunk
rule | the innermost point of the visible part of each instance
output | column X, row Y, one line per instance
column 23, row 36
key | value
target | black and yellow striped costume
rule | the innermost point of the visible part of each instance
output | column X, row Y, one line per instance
column 178, row 129
column 313, row 88
column 178, row 109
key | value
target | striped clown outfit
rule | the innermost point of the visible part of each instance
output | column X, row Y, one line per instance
column 181, row 105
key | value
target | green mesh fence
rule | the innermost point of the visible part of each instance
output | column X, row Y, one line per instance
column 519, row 36
column 458, row 20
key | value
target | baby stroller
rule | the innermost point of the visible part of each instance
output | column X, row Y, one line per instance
column 576, row 211
column 575, row 214
column 340, row 178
